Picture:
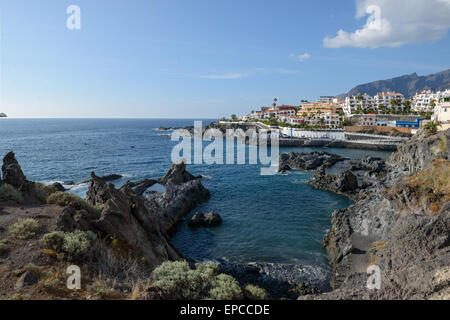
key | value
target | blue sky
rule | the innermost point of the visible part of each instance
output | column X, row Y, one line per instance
column 206, row 58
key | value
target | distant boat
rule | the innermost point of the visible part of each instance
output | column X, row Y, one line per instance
column 3, row 115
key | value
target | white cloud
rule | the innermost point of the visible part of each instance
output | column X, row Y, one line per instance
column 252, row 72
column 301, row 57
column 393, row 23
column 223, row 76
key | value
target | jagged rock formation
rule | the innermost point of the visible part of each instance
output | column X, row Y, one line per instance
column 12, row 172
column 307, row 161
column 183, row 193
column 401, row 223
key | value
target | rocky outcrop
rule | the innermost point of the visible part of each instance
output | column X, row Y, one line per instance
column 210, row 219
column 70, row 220
column 126, row 218
column 307, row 161
column 177, row 174
column 11, row 171
column 139, row 187
column 401, row 223
column 183, row 193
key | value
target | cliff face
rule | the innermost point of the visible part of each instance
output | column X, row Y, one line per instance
column 401, row 223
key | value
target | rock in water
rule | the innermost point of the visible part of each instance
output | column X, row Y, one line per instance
column 11, row 171
column 213, row 219
column 205, row 220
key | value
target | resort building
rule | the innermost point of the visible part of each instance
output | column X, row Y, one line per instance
column 310, row 108
column 424, row 101
column 326, row 99
column 360, row 102
column 369, row 120
column 383, row 101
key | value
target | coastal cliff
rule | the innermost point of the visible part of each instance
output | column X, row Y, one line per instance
column 399, row 222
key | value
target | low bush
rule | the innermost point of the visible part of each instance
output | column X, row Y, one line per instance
column 9, row 193
column 72, row 246
column 194, row 284
column 225, row 287
column 24, row 229
column 3, row 246
column 257, row 292
column 70, row 200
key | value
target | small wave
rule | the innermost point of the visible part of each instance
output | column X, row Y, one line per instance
column 204, row 176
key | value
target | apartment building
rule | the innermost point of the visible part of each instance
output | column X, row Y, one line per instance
column 385, row 98
column 353, row 103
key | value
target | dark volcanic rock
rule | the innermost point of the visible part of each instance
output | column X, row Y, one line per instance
column 70, row 220
column 126, row 217
column 139, row 187
column 11, row 171
column 205, row 220
column 58, row 186
column 177, row 174
column 346, row 181
column 307, row 161
column 111, row 177
column 27, row 279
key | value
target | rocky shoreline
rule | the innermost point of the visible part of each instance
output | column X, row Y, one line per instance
column 400, row 220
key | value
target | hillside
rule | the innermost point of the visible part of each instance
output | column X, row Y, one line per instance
column 3, row 115
column 408, row 85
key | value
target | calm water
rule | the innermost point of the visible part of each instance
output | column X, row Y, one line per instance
column 266, row 218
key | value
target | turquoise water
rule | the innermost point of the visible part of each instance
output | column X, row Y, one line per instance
column 276, row 219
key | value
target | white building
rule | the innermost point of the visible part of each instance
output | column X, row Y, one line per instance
column 353, row 103
column 326, row 99
column 385, row 98
column 442, row 110
column 422, row 101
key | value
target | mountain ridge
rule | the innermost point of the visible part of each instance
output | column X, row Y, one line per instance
column 408, row 84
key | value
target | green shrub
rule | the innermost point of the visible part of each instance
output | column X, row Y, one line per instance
column 53, row 241
column 225, row 287
column 24, row 229
column 73, row 246
column 9, row 193
column 70, row 200
column 194, row 284
column 178, row 277
column 257, row 292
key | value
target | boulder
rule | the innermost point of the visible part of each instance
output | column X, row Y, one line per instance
column 70, row 220
column 12, row 172
column 213, row 219
column 58, row 186
column 210, row 219
column 27, row 279
column 346, row 181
